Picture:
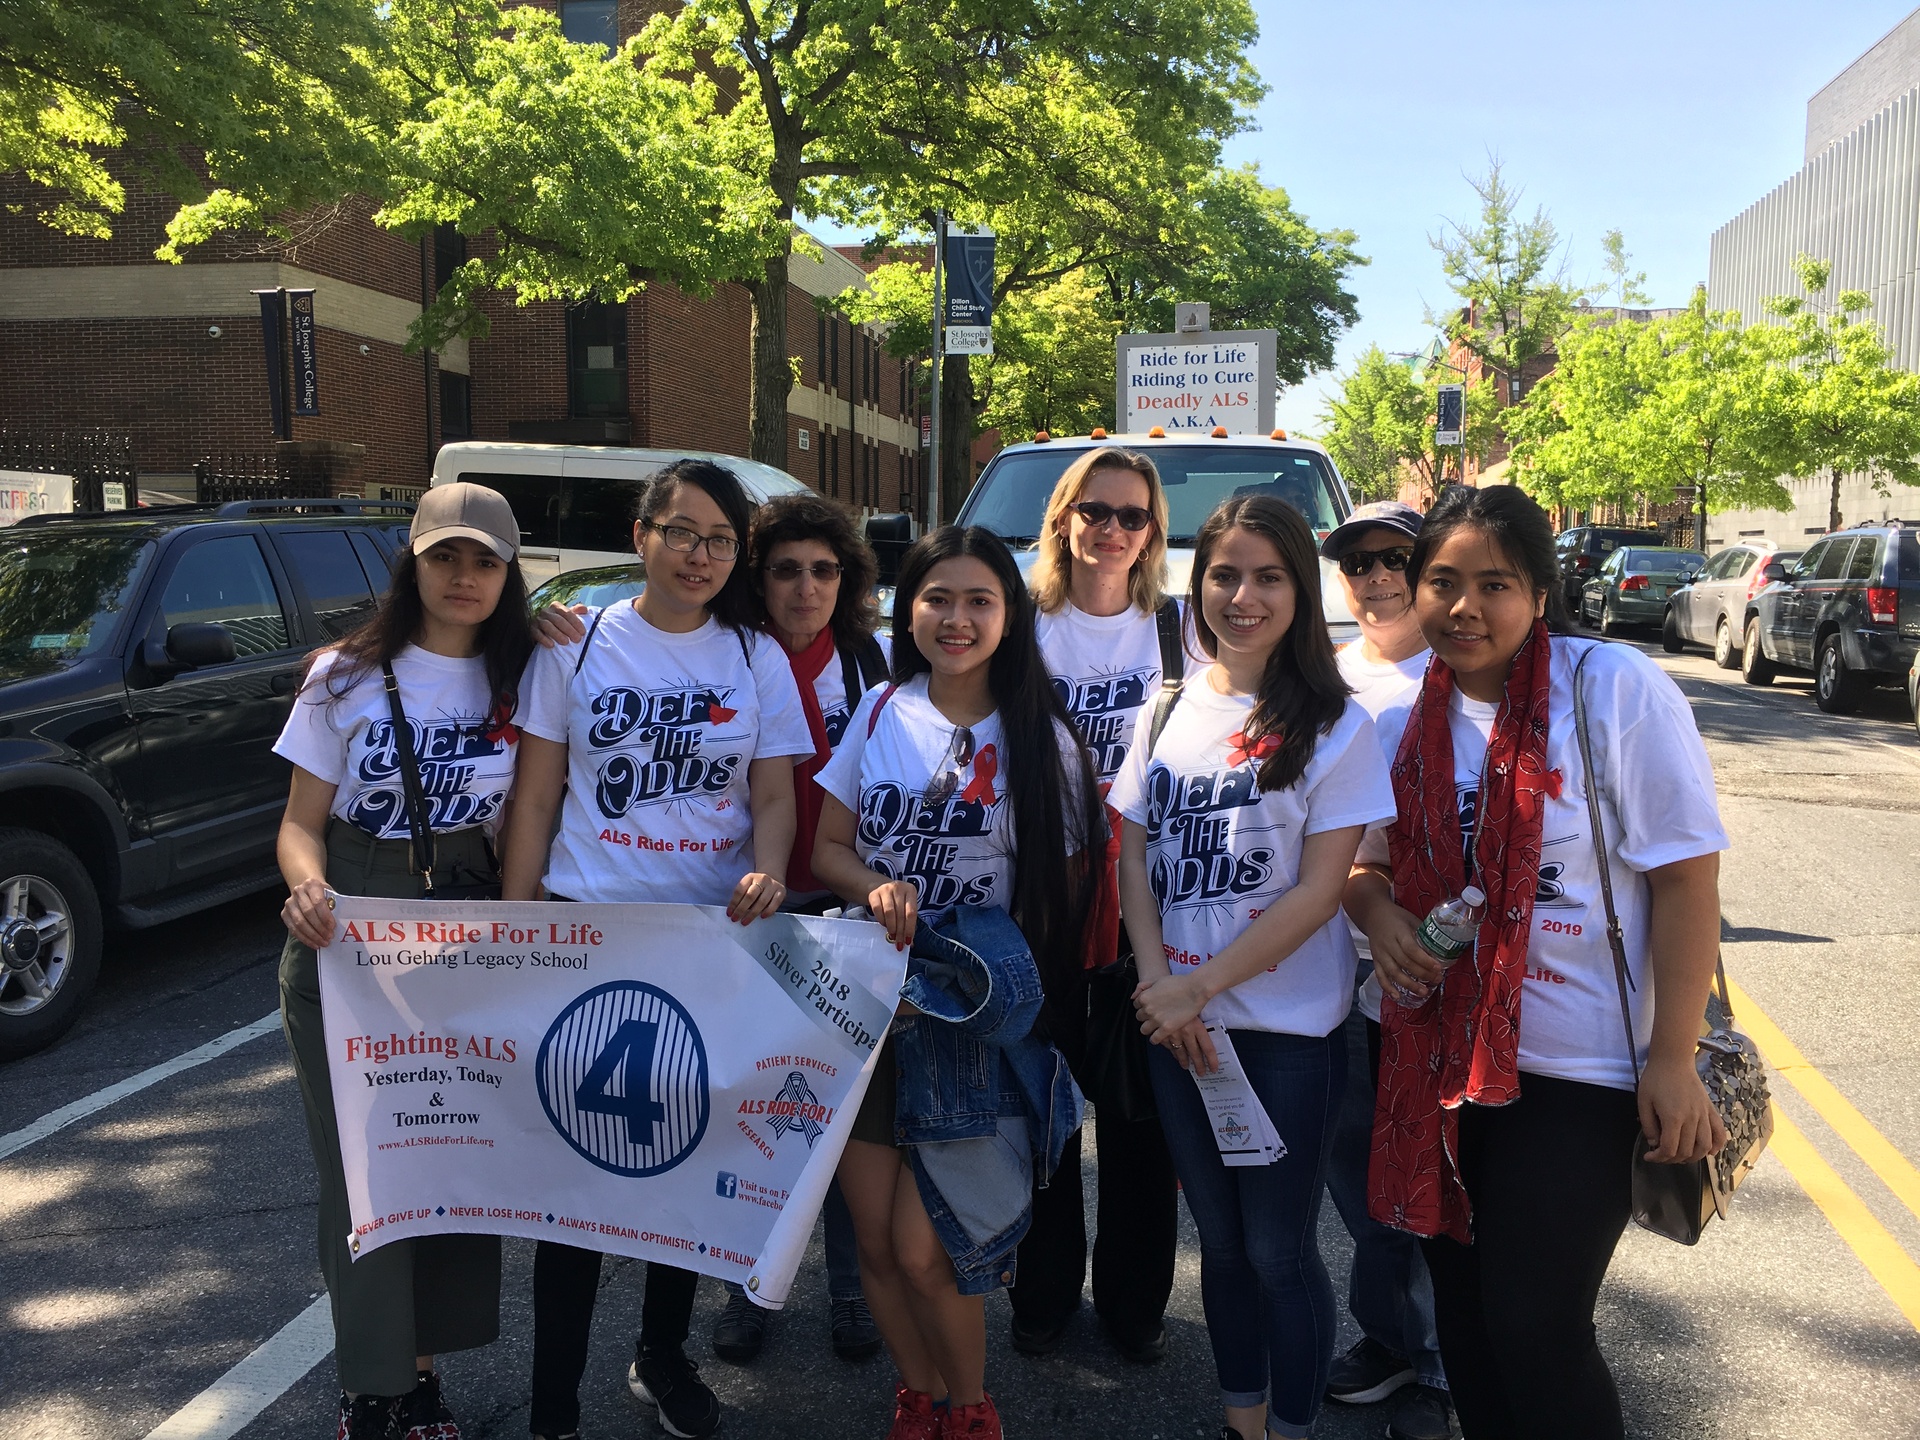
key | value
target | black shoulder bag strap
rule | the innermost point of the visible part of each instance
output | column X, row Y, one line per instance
column 862, row 666
column 586, row 641
column 1173, row 669
column 417, row 821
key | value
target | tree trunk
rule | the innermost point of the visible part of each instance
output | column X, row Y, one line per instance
column 1833, row 497
column 956, row 434
column 772, row 376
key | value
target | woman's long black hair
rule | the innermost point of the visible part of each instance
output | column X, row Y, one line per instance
column 1059, row 828
column 1301, row 693
column 1516, row 525
column 506, row 637
column 734, row 605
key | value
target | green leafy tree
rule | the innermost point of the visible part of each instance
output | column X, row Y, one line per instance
column 1511, row 277
column 1626, row 285
column 280, row 99
column 1380, row 427
column 1850, row 410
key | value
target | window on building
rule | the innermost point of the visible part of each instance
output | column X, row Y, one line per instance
column 591, row 22
column 820, row 361
column 449, row 254
column 820, row 463
column 596, row 359
column 456, row 406
column 833, row 353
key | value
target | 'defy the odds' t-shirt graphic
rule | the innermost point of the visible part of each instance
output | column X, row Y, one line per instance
column 1106, row 671
column 349, row 740
column 1220, row 851
column 660, row 730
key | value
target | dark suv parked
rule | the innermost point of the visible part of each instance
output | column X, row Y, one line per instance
column 1585, row 548
column 1848, row 610
column 146, row 667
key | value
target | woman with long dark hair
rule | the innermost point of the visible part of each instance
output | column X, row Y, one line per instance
column 962, row 767
column 452, row 633
column 678, row 674
column 1508, row 1103
column 1241, row 815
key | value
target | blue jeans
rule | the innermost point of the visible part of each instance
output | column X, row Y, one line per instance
column 1271, row 1314
column 843, row 1261
column 1390, row 1294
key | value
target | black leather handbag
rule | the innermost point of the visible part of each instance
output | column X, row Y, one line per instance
column 1677, row 1201
column 460, row 880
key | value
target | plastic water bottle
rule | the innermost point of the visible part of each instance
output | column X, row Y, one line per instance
column 1448, row 931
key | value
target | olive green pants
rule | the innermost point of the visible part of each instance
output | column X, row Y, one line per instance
column 425, row 1296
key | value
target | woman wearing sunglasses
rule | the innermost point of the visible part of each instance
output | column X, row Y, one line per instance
column 672, row 721
column 1388, row 1293
column 1106, row 629
column 941, row 782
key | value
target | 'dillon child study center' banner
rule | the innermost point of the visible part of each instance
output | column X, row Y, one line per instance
column 647, row 1080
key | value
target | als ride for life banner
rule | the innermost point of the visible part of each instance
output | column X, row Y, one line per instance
column 646, row 1080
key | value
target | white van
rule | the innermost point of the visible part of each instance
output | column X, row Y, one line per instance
column 575, row 502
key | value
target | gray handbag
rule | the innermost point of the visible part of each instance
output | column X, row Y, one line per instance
column 1677, row 1201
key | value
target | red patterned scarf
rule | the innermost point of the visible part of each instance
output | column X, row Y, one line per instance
column 1463, row 1049
column 807, row 796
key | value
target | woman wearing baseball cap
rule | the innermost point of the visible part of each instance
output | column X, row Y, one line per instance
column 452, row 634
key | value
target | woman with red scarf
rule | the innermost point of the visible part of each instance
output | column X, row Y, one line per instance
column 1508, row 1102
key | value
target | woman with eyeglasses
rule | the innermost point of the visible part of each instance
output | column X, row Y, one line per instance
column 944, row 780
column 673, row 720
column 1107, row 630
column 813, row 575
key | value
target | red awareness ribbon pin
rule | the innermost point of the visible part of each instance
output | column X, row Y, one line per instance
column 979, row 790
column 1243, row 752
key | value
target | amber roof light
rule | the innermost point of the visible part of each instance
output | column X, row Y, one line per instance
column 1098, row 434
column 1041, row 437
column 1219, row 432
column 1278, row 435
column 1158, row 432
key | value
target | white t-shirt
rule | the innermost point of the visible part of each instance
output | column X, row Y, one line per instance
column 1376, row 685
column 830, row 689
column 1658, row 804
column 1106, row 669
column 349, row 743
column 1220, row 851
column 660, row 730
column 961, row 853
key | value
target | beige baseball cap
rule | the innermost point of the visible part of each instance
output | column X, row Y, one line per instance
column 465, row 509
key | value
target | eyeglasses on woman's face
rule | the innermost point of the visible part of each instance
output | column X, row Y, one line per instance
column 1098, row 513
column 789, row 571
column 1356, row 563
column 677, row 537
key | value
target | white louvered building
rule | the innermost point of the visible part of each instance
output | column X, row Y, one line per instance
column 1856, row 203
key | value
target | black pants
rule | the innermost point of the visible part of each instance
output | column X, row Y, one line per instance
column 566, row 1282
column 1550, row 1180
column 1138, row 1227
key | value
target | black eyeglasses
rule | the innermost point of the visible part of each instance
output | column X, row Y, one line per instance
column 678, row 537
column 1098, row 512
column 788, row 571
column 1360, row 562
column 941, row 787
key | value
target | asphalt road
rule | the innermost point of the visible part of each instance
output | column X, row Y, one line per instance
column 151, row 1247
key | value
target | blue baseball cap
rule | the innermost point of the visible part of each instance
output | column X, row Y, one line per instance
column 1381, row 514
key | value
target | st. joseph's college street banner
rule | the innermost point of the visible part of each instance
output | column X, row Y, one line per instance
column 649, row 1080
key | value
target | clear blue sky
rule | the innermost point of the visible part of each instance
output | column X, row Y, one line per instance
column 1664, row 118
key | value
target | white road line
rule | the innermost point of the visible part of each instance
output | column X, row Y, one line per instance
column 15, row 1141
column 225, row 1407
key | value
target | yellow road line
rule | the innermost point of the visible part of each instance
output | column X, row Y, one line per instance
column 1896, row 1172
column 1889, row 1265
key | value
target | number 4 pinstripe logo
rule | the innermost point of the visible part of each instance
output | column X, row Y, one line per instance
column 622, row 1075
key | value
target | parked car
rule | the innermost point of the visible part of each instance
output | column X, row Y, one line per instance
column 1632, row 585
column 1585, row 548
column 147, row 664
column 1848, row 610
column 598, row 585
column 1710, row 608
column 1199, row 471
column 575, row 502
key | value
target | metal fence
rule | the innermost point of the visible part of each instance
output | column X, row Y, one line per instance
column 94, row 458
column 219, row 479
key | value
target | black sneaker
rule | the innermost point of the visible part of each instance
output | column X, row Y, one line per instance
column 671, row 1383
column 855, row 1336
column 1137, row 1347
column 1030, row 1339
column 370, row 1417
column 1367, row 1373
column 424, row 1414
column 740, row 1330
column 1424, row 1413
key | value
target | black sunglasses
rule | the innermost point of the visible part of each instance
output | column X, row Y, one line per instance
column 1361, row 562
column 1098, row 512
column 941, row 787
column 791, row 570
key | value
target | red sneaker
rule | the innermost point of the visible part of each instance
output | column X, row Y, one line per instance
column 913, row 1416
column 975, row 1422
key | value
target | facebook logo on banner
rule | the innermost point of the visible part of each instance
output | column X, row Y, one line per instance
column 725, row 1184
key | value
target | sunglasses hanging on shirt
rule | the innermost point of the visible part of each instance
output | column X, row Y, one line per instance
column 941, row 787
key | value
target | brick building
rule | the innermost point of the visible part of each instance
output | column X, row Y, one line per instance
column 97, row 335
